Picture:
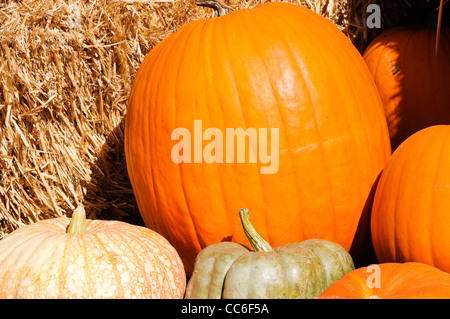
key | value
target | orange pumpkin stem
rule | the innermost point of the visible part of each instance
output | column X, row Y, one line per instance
column 258, row 243
column 219, row 7
column 78, row 222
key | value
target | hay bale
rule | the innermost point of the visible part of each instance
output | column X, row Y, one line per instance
column 66, row 69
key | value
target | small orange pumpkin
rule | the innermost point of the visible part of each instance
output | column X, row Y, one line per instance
column 412, row 80
column 391, row 281
column 92, row 259
column 410, row 215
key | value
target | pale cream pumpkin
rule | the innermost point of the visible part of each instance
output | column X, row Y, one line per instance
column 88, row 259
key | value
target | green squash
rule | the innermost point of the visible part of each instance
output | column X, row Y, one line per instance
column 299, row 270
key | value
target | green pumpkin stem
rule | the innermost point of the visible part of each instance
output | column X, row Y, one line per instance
column 219, row 7
column 78, row 222
column 258, row 243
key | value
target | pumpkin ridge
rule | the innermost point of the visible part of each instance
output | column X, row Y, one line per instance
column 163, row 58
column 53, row 241
column 11, row 247
column 105, row 251
column 378, row 192
column 85, row 252
column 207, row 25
column 219, row 176
column 63, row 240
column 434, row 253
column 285, row 265
column 134, row 109
column 283, row 121
column 35, row 244
column 304, row 73
column 359, row 159
column 361, row 162
column 431, row 209
column 83, row 247
column 379, row 112
column 405, row 94
column 396, row 252
column 209, row 84
column 148, row 239
column 395, row 217
column 410, row 226
column 228, row 25
column 155, row 242
column 298, row 70
column 61, row 266
column 416, row 290
column 349, row 132
column 185, row 36
column 398, row 216
column 395, row 66
column 264, row 190
column 138, row 261
column 377, row 67
column 398, row 276
column 189, row 34
column 321, row 141
column 245, row 121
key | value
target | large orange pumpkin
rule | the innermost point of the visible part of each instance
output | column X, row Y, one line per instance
column 410, row 216
column 277, row 66
column 79, row 258
column 391, row 281
column 412, row 81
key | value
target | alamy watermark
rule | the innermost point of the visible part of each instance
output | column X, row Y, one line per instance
column 231, row 146
column 373, row 19
column 374, row 279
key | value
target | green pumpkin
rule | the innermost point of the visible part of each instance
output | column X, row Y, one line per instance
column 299, row 270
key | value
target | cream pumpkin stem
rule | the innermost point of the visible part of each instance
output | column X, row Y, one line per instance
column 78, row 222
column 219, row 7
column 258, row 243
